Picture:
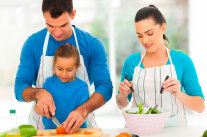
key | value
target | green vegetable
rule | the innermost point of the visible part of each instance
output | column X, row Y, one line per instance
column 27, row 130
column 149, row 111
column 155, row 111
column 26, row 126
column 3, row 134
column 205, row 133
column 141, row 109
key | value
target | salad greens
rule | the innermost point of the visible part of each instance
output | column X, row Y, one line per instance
column 141, row 109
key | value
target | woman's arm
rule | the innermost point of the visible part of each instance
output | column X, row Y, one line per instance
column 122, row 101
column 193, row 96
column 193, row 102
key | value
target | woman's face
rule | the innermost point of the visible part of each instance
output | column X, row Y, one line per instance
column 150, row 34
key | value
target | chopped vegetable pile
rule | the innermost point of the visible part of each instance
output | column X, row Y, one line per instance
column 141, row 109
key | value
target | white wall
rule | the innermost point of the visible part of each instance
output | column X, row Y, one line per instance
column 197, row 39
column 198, row 48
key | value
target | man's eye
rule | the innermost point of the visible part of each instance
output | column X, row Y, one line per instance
column 63, row 26
column 50, row 25
column 139, row 36
column 150, row 34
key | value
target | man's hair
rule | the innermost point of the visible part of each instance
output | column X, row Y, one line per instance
column 57, row 7
column 67, row 51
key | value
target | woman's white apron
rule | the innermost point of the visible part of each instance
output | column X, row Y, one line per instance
column 147, row 83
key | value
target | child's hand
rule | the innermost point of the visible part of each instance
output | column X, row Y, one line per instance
column 74, row 121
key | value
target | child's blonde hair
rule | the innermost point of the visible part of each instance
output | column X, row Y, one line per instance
column 67, row 51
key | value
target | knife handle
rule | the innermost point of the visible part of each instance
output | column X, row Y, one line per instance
column 50, row 114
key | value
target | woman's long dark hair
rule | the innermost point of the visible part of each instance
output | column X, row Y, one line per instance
column 151, row 12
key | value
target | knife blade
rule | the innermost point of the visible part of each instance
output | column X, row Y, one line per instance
column 55, row 120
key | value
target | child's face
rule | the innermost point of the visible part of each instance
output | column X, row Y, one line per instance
column 65, row 68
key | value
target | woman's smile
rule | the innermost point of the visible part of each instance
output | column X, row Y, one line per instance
column 147, row 45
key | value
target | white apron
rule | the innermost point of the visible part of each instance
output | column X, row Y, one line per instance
column 45, row 71
column 147, row 83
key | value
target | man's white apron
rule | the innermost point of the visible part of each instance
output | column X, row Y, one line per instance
column 45, row 71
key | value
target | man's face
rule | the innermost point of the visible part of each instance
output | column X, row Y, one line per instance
column 59, row 28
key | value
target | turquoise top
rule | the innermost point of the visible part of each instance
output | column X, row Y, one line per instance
column 184, row 67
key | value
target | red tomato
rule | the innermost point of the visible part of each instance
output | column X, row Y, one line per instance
column 60, row 130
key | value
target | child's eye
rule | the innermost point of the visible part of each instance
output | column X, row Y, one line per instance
column 69, row 70
column 59, row 68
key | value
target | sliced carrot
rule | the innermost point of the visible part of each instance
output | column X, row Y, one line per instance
column 123, row 134
column 39, row 134
column 88, row 132
column 60, row 130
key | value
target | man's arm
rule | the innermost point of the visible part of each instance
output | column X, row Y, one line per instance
column 30, row 94
column 45, row 103
column 95, row 101
column 99, row 74
column 26, row 75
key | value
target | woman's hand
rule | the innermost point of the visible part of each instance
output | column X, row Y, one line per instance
column 122, row 98
column 195, row 103
column 124, row 88
column 172, row 85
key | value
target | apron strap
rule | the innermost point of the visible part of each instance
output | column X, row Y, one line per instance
column 46, row 43
column 141, row 59
column 76, row 41
column 171, row 64
column 167, row 54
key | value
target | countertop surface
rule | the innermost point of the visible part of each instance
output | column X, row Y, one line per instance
column 194, row 131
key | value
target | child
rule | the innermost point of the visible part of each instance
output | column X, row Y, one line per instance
column 67, row 91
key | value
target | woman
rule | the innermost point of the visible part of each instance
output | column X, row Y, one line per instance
column 148, row 72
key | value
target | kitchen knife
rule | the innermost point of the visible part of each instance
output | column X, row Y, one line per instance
column 55, row 121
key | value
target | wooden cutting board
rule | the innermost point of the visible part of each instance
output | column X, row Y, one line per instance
column 80, row 133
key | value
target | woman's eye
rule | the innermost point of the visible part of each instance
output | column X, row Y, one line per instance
column 150, row 34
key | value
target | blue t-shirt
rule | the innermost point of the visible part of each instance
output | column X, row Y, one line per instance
column 67, row 97
column 92, row 49
column 184, row 68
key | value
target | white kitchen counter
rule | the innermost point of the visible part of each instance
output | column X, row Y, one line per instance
column 195, row 131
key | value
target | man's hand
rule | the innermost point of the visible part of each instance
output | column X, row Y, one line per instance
column 45, row 103
column 75, row 119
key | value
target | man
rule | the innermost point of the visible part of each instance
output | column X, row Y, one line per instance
column 36, row 65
